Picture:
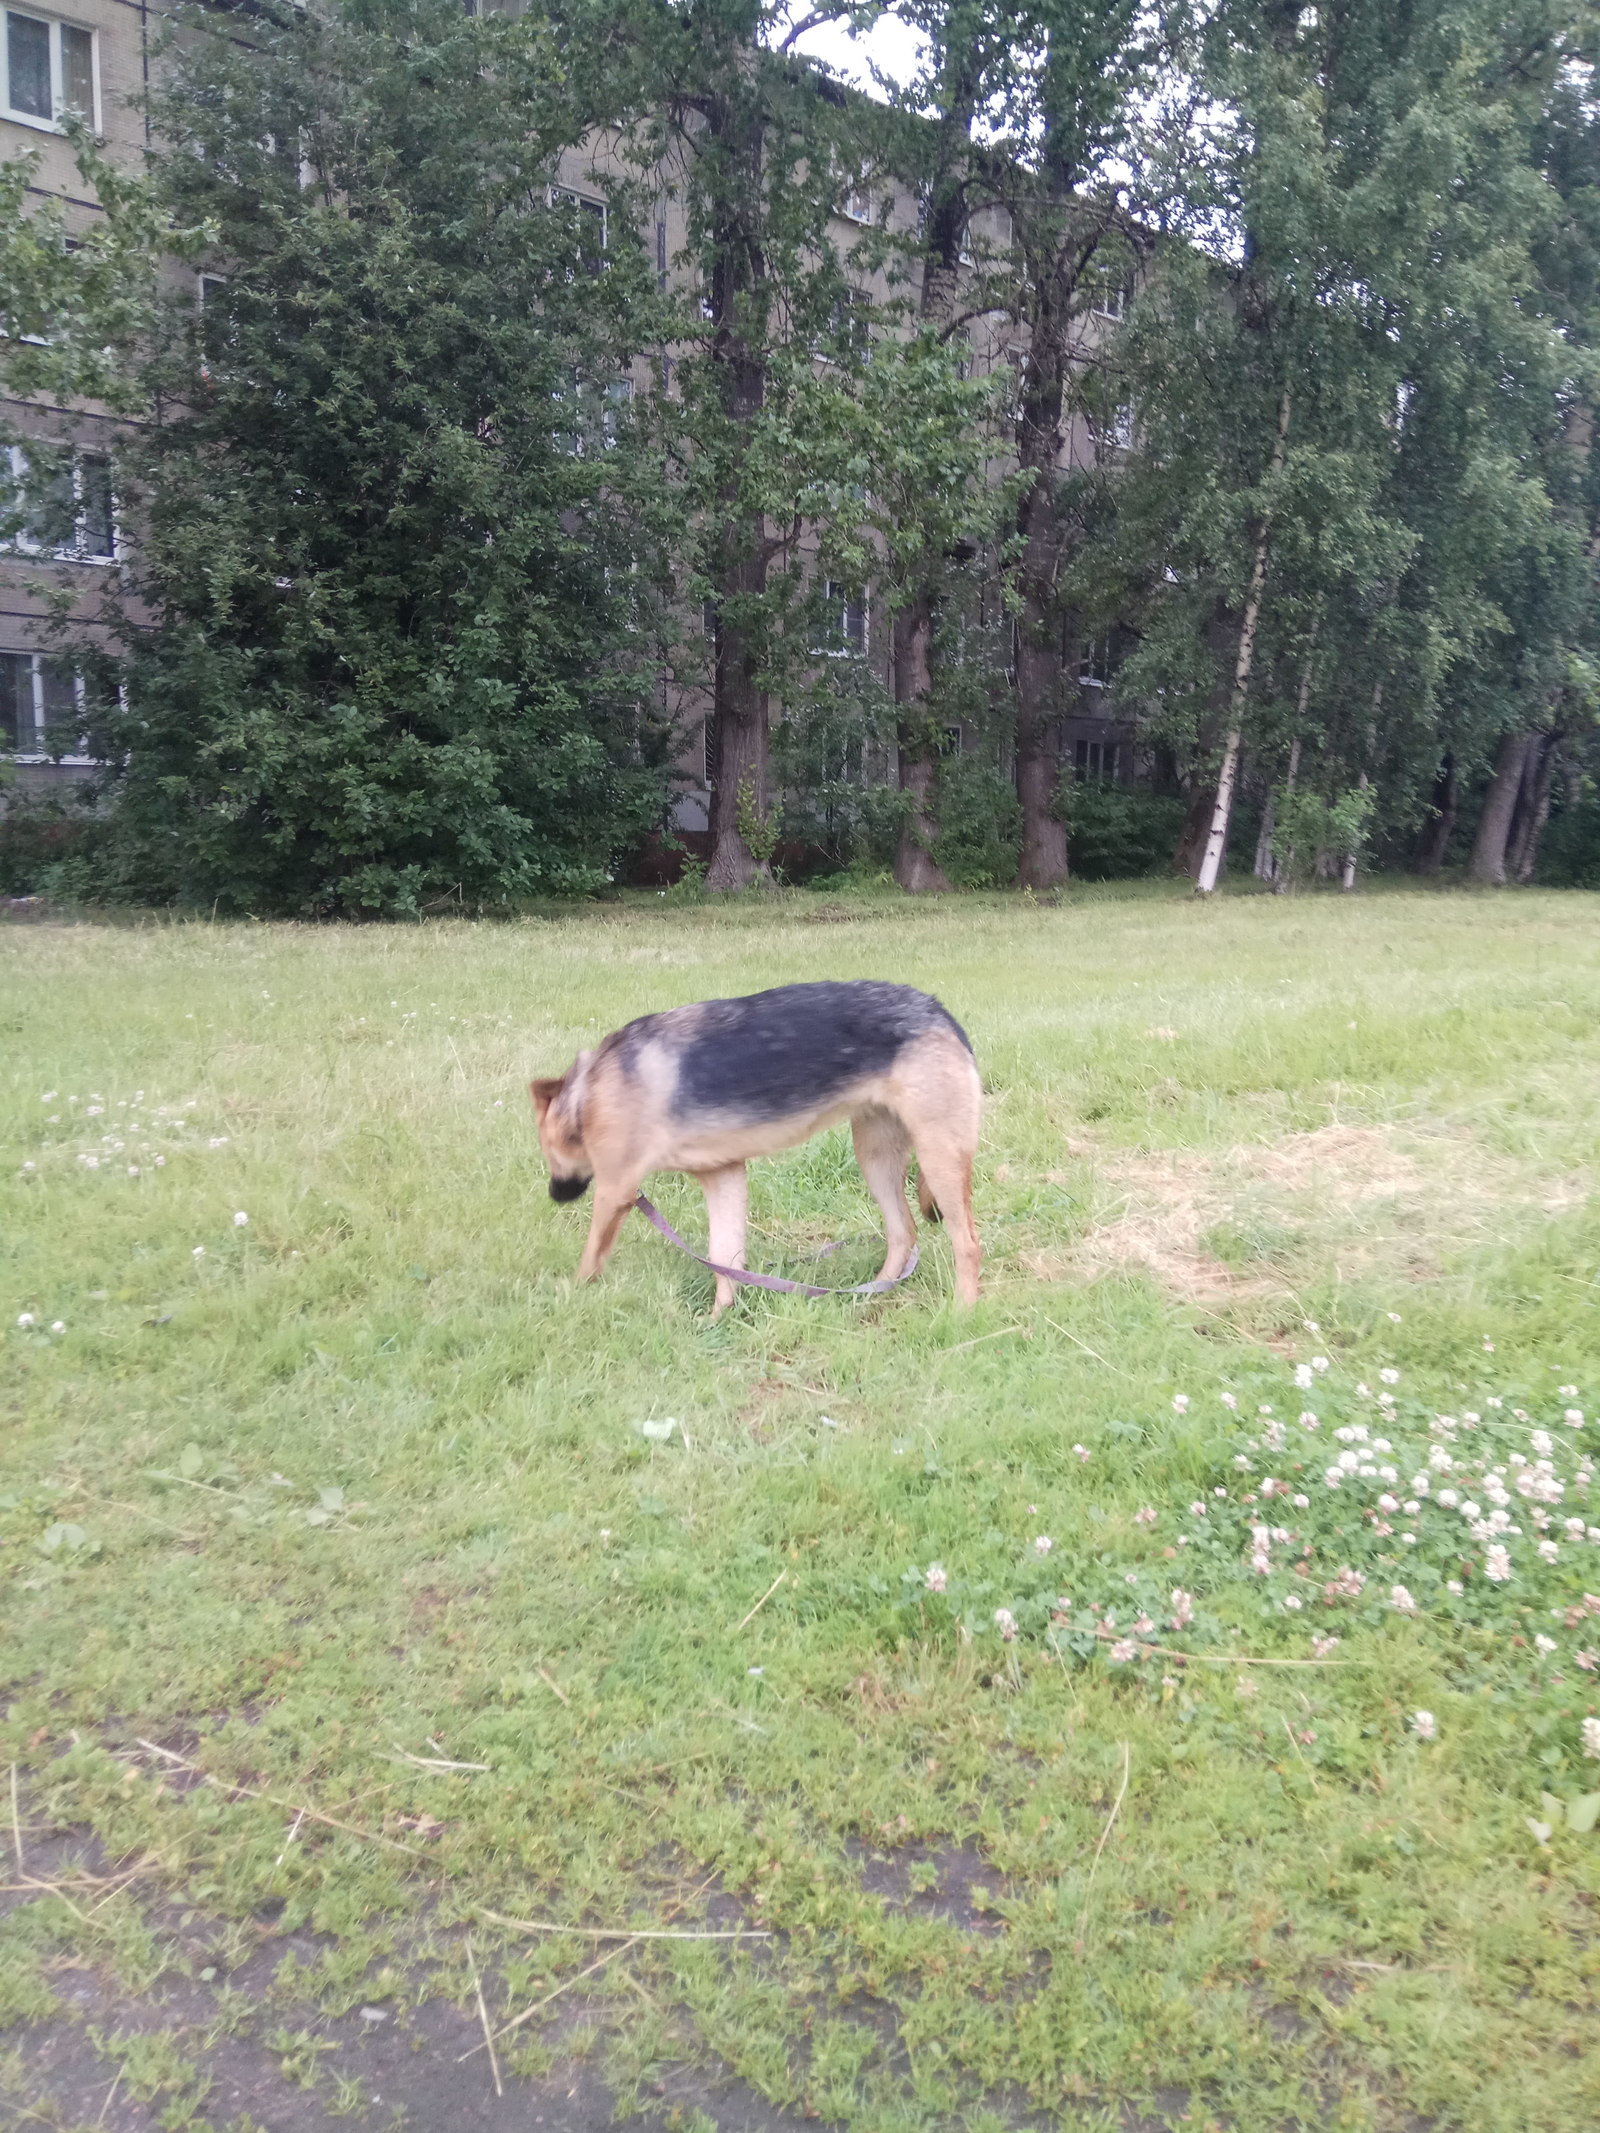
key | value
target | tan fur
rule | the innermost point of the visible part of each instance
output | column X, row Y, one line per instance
column 599, row 1121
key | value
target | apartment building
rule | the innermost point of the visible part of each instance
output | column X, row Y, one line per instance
column 91, row 57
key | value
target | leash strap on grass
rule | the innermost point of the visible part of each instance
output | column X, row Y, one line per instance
column 654, row 1216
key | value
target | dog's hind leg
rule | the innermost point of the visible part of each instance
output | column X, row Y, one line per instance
column 727, row 1194
column 941, row 1101
column 925, row 1199
column 883, row 1149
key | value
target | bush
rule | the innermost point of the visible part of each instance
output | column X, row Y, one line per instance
column 1117, row 833
column 1569, row 851
column 979, row 843
column 37, row 833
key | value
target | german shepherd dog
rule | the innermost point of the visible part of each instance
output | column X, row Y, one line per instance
column 703, row 1089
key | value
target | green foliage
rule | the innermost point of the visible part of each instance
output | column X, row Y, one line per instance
column 1118, row 832
column 398, row 536
column 1305, row 825
column 980, row 824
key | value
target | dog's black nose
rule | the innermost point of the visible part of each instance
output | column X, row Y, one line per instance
column 568, row 1188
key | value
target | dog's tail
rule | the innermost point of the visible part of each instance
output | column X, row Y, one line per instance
column 926, row 1201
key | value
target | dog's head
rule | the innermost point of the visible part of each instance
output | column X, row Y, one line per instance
column 558, row 1108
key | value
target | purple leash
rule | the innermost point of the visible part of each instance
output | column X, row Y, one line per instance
column 654, row 1216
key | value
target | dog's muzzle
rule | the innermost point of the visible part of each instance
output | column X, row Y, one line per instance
column 569, row 1188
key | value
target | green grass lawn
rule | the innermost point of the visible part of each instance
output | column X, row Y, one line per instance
column 350, row 1506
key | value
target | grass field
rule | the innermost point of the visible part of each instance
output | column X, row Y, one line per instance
column 351, row 1611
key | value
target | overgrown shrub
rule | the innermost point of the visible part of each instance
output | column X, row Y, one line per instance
column 1116, row 832
column 979, row 843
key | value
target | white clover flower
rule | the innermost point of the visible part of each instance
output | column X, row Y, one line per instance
column 1455, row 1586
column 1042, row 1544
column 1145, row 1515
column 1122, row 1651
column 1386, row 1502
column 1006, row 1622
column 936, row 1577
column 1424, row 1725
column 1180, row 1403
column 1293, row 1602
column 1393, row 1317
column 1591, row 1739
column 1302, row 1503
column 241, row 1220
column 1303, row 1376
column 1497, row 1565
column 57, row 1326
column 25, row 1319
column 1573, row 1417
column 1182, row 1607
column 199, row 1252
column 1319, row 1362
column 1230, row 1400
column 1550, row 1550
column 1082, row 1450
column 1544, row 1645
column 1401, row 1601
column 1308, row 1420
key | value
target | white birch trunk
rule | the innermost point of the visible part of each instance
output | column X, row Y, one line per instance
column 1217, row 841
column 1348, row 879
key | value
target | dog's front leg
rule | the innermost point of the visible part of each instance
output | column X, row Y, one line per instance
column 612, row 1200
column 727, row 1194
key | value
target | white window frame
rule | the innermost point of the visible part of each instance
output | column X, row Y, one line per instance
column 1111, row 302
column 856, row 205
column 16, row 456
column 569, row 196
column 838, row 598
column 55, row 24
column 1094, row 668
column 38, row 662
column 1095, row 761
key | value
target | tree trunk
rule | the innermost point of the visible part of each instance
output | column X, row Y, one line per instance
column 738, row 753
column 1442, row 827
column 1488, row 862
column 1217, row 837
column 1263, row 868
column 1044, row 836
column 1280, row 873
column 1348, row 877
column 1539, row 786
column 915, row 868
column 737, row 756
column 1192, row 837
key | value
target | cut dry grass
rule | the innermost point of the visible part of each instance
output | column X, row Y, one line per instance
column 348, row 1509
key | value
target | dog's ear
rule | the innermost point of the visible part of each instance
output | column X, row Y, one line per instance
column 544, row 1094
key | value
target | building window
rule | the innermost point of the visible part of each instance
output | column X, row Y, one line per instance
column 1111, row 300
column 843, row 627
column 49, row 70
column 857, row 203
column 590, row 217
column 850, row 323
column 41, row 708
column 1114, row 432
column 1094, row 669
column 63, row 507
column 1094, row 762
